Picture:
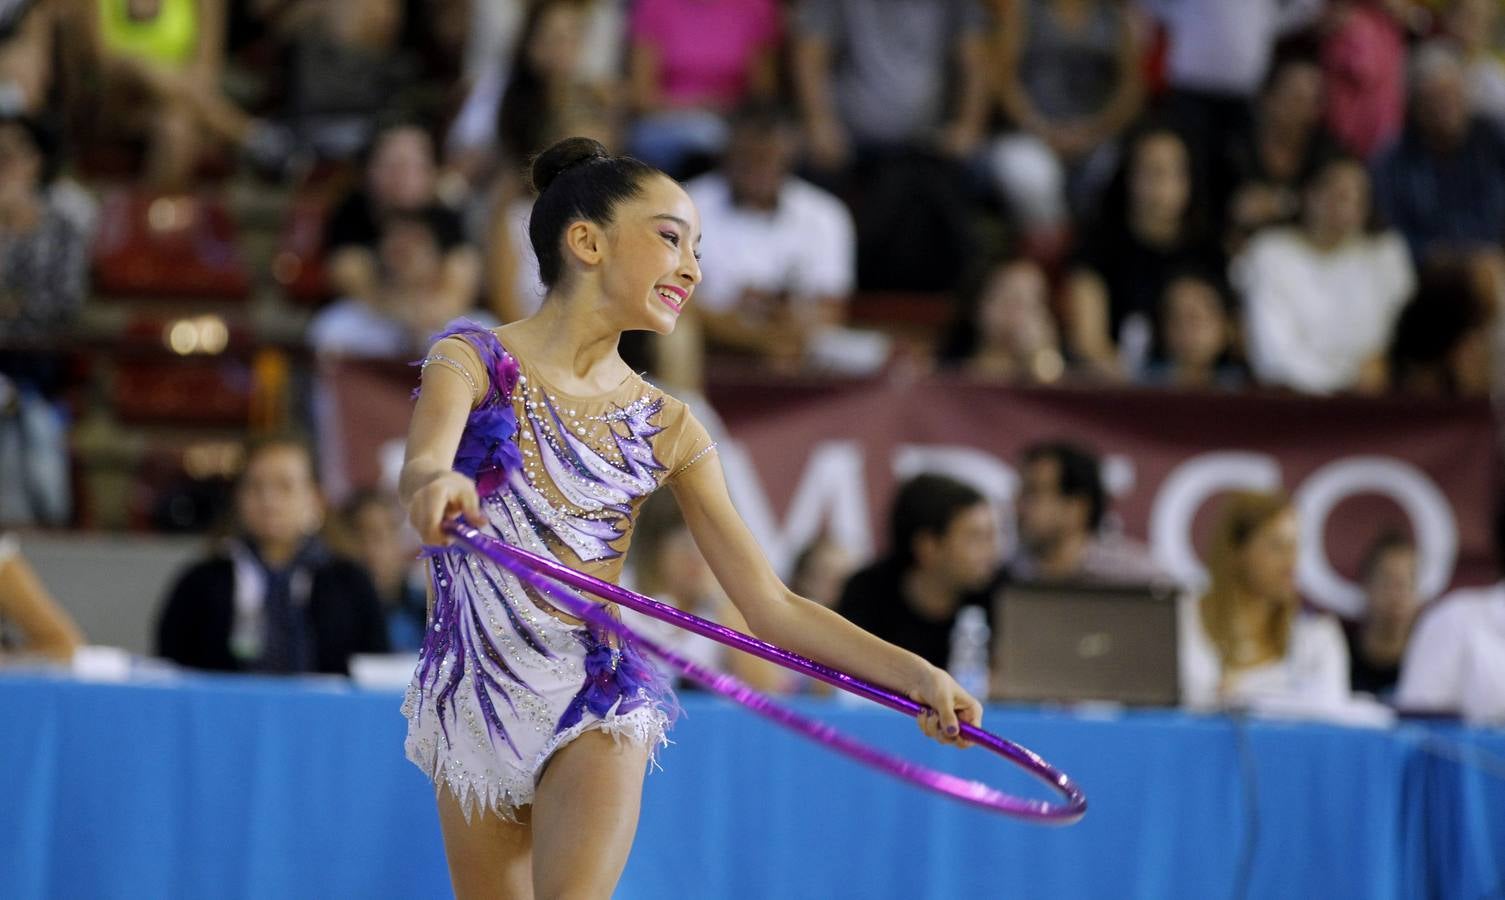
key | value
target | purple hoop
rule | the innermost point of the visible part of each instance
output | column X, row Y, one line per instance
column 535, row 569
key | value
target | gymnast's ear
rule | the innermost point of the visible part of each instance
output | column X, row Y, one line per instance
column 584, row 241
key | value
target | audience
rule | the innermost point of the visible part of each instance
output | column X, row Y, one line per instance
column 1363, row 52
column 1068, row 80
column 273, row 599
column 1377, row 641
column 1197, row 336
column 375, row 532
column 31, row 622
column 1061, row 507
column 1246, row 641
column 1321, row 299
column 1474, row 26
column 690, row 62
column 1443, row 183
column 1152, row 224
column 1005, row 330
column 778, row 253
column 943, row 555
column 1455, row 660
column 1443, row 343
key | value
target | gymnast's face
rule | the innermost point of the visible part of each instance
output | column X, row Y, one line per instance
column 648, row 257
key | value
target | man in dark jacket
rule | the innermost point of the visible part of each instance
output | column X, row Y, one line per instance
column 275, row 600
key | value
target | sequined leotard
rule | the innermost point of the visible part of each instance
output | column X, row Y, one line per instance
column 501, row 684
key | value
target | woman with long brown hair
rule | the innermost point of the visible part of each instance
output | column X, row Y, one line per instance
column 1246, row 639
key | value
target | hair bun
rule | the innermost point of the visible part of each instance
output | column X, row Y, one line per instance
column 563, row 156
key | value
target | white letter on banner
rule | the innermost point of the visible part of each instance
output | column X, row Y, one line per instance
column 1425, row 505
column 831, row 490
column 991, row 476
column 1185, row 490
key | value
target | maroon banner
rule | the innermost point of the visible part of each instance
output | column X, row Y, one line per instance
column 807, row 457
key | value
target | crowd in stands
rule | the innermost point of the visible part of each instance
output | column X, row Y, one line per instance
column 1225, row 195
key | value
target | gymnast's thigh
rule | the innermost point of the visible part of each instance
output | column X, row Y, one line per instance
column 490, row 858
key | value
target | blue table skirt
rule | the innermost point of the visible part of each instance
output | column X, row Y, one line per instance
column 221, row 787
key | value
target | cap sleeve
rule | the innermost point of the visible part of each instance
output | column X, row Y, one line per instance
column 687, row 440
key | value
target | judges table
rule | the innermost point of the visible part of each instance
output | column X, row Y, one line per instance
column 227, row 788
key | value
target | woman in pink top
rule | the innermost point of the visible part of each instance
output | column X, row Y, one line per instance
column 692, row 61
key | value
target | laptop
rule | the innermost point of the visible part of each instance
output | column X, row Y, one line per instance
column 1074, row 643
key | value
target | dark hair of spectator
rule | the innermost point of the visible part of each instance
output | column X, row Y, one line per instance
column 926, row 504
column 761, row 116
column 42, row 139
column 1114, row 209
column 1301, row 50
column 263, row 443
column 577, row 179
column 1446, row 307
column 523, row 120
column 385, row 126
column 1373, row 223
column 1389, row 541
column 959, row 341
column 1079, row 475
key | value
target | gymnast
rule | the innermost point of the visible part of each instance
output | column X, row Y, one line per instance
column 535, row 728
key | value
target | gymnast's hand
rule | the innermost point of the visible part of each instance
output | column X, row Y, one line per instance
column 949, row 705
column 446, row 496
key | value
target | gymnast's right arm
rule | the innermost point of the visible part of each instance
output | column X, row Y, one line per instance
column 429, row 488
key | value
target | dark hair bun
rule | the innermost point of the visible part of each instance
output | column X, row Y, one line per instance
column 563, row 156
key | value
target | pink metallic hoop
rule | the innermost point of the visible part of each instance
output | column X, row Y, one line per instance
column 538, row 571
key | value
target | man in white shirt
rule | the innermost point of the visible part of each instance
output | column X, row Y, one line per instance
column 1455, row 662
column 779, row 253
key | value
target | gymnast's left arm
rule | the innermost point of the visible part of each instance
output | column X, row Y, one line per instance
column 778, row 615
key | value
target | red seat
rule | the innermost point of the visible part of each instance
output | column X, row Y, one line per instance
column 162, row 246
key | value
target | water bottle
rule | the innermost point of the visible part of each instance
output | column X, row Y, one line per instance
column 970, row 648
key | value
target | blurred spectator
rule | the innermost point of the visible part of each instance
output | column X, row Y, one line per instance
column 778, row 254
column 44, row 249
column 345, row 69
column 1005, row 330
column 942, row 556
column 159, row 64
column 1377, row 642
column 1152, row 225
column 821, row 570
column 1474, row 26
column 1061, row 506
column 894, row 97
column 1455, row 661
column 400, row 178
column 410, row 304
column 1442, row 345
column 31, row 622
column 28, row 51
column 1363, row 50
column 35, row 486
column 1197, row 336
column 274, row 599
column 1443, row 183
column 1321, row 300
column 1287, row 144
column 669, row 568
column 1246, row 641
column 373, row 524
column 1219, row 52
column 1068, row 81
column 692, row 61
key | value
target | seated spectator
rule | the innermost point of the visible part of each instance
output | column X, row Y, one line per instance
column 821, row 570
column 1060, row 508
column 669, row 568
column 1006, row 330
column 1197, row 336
column 1321, row 299
column 374, row 526
column 1363, row 51
column 1455, row 660
column 1068, row 80
column 778, row 256
column 1443, row 345
column 690, row 62
column 31, row 622
column 1474, row 26
column 160, row 63
column 400, row 178
column 1443, row 183
column 1286, row 145
column 28, row 50
column 274, row 599
column 942, row 556
column 894, row 101
column 410, row 304
column 1377, row 642
column 1152, row 225
column 1246, row 642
